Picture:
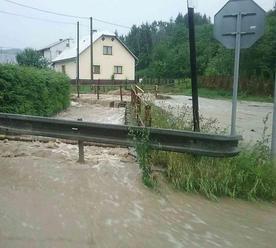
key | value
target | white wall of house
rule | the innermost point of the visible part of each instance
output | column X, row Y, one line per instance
column 120, row 57
column 55, row 50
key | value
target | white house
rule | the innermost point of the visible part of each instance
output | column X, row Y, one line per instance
column 112, row 59
column 53, row 50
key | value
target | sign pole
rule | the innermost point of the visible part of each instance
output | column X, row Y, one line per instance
column 236, row 75
column 273, row 144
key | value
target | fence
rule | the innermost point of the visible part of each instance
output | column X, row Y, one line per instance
column 250, row 86
column 142, row 109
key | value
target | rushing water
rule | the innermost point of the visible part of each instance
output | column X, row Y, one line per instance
column 49, row 200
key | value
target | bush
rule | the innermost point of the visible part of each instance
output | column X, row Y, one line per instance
column 30, row 57
column 32, row 91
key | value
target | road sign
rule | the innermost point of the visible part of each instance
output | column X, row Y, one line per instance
column 251, row 26
column 239, row 24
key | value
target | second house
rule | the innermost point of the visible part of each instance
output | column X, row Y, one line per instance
column 112, row 59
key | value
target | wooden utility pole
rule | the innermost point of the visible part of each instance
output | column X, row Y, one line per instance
column 91, row 51
column 193, row 67
column 78, row 59
column 273, row 142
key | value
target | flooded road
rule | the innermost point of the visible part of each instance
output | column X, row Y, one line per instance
column 49, row 200
column 250, row 115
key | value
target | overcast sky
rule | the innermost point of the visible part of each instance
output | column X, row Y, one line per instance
column 20, row 32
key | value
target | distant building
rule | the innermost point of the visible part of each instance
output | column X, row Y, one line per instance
column 112, row 59
column 53, row 50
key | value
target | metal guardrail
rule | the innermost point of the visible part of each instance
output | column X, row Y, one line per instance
column 159, row 139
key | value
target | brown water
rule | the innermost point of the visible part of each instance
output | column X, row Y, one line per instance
column 49, row 200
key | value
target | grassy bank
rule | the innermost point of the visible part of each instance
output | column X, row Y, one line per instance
column 211, row 93
column 184, row 88
column 249, row 176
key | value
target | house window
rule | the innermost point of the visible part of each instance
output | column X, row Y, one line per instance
column 63, row 69
column 97, row 69
column 107, row 50
column 118, row 70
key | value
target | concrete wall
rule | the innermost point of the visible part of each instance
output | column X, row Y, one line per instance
column 120, row 57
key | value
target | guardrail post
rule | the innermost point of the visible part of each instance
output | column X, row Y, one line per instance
column 81, row 149
column 121, row 92
column 148, row 116
column 98, row 90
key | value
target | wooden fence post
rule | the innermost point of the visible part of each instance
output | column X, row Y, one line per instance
column 121, row 92
column 148, row 116
column 98, row 90
column 156, row 91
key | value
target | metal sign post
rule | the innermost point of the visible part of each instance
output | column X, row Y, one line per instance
column 239, row 24
column 273, row 144
column 236, row 75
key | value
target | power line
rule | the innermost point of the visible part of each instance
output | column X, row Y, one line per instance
column 111, row 23
column 46, row 11
column 65, row 15
column 39, row 19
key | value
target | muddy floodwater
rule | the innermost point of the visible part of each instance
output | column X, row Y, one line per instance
column 47, row 199
column 250, row 115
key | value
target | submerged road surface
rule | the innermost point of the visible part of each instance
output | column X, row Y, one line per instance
column 250, row 115
column 49, row 200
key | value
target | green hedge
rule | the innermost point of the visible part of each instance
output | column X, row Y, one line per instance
column 27, row 90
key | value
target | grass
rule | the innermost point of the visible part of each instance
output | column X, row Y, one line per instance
column 249, row 176
column 185, row 89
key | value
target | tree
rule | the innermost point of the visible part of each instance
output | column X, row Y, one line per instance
column 30, row 57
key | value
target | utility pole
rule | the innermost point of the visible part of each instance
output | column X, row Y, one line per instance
column 193, row 66
column 91, row 50
column 273, row 144
column 78, row 59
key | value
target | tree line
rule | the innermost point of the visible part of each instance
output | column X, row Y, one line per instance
column 163, row 50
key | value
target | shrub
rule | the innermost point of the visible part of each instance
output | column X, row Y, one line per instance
column 28, row 90
column 30, row 57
